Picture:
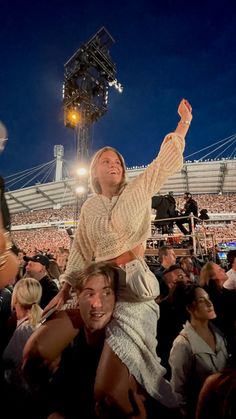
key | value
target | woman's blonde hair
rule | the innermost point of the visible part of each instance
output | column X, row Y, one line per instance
column 94, row 183
column 207, row 273
column 28, row 292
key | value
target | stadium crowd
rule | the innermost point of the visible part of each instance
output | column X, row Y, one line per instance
column 214, row 203
column 50, row 239
column 47, row 240
column 141, row 341
column 197, row 307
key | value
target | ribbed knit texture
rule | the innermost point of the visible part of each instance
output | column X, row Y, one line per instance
column 108, row 228
column 132, row 336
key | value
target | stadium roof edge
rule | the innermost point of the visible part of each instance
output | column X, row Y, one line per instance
column 216, row 176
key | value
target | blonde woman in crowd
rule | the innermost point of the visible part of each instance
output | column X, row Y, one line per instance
column 114, row 226
column 25, row 301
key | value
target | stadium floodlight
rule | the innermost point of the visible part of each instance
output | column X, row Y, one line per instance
column 81, row 171
column 80, row 190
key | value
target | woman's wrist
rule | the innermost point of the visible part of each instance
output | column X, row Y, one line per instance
column 186, row 119
column 65, row 290
column 185, row 122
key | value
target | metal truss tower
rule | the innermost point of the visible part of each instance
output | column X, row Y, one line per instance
column 88, row 74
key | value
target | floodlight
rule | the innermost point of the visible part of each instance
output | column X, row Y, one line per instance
column 82, row 171
column 80, row 190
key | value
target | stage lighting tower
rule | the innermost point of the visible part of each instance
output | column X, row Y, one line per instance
column 88, row 75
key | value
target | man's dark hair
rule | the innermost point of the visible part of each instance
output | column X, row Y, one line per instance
column 163, row 251
column 173, row 268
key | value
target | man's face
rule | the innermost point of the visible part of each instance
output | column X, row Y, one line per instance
column 96, row 302
column 34, row 269
column 178, row 275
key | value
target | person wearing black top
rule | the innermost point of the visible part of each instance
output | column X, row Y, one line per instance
column 37, row 268
column 190, row 206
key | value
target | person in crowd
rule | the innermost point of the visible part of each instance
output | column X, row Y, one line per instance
column 4, row 207
column 198, row 351
column 212, row 279
column 25, row 302
column 114, row 225
column 8, row 261
column 204, row 215
column 74, row 379
column 187, row 265
column 167, row 258
column 37, row 267
column 5, row 313
column 217, row 397
column 172, row 313
column 172, row 275
column 230, row 283
column 190, row 206
column 165, row 207
column 54, row 271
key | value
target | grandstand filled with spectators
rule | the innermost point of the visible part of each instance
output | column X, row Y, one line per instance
column 29, row 238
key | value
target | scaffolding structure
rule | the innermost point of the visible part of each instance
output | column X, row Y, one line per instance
column 87, row 77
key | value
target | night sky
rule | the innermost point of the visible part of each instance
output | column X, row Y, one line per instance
column 164, row 51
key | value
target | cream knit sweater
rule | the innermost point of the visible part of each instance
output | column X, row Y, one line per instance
column 107, row 228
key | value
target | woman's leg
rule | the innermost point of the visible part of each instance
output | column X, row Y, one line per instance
column 114, row 386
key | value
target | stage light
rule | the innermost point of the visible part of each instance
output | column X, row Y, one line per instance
column 73, row 117
column 82, row 171
column 80, row 190
column 117, row 85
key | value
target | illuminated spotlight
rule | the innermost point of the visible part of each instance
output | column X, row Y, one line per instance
column 82, row 171
column 73, row 117
column 80, row 190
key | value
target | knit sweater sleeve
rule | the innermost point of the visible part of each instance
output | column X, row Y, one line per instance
column 80, row 254
column 168, row 162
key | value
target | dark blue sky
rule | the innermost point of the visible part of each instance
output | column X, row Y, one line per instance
column 164, row 50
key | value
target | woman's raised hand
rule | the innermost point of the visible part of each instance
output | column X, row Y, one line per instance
column 185, row 111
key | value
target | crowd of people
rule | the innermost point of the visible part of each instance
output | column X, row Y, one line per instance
column 214, row 203
column 140, row 341
column 48, row 240
column 52, row 238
